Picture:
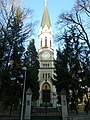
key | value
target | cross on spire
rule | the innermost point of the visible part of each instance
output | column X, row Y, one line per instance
column 45, row 2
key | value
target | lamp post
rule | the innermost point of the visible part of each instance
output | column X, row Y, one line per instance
column 24, row 69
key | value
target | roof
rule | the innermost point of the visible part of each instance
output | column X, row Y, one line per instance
column 46, row 18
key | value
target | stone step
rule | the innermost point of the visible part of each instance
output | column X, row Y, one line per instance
column 46, row 118
column 44, row 109
column 44, row 112
column 48, row 114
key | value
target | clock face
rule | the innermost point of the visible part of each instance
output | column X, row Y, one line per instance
column 46, row 55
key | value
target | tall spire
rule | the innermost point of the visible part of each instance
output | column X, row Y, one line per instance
column 46, row 18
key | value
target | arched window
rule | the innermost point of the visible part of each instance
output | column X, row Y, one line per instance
column 48, row 65
column 41, row 42
column 48, row 75
column 45, row 41
column 50, row 44
column 43, row 75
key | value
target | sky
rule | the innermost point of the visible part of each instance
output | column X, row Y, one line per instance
column 55, row 7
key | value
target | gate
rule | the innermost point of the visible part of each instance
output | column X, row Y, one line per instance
column 46, row 113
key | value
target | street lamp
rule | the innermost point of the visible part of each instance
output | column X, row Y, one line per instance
column 25, row 70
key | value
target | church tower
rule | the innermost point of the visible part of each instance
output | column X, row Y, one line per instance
column 47, row 91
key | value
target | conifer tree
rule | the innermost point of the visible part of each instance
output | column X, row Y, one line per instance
column 32, row 64
column 13, row 33
column 70, row 72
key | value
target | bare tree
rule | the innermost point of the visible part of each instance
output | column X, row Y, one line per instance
column 75, row 17
column 14, row 32
column 84, row 6
column 5, row 11
column 74, row 22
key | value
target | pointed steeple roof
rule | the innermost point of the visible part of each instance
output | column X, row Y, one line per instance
column 45, row 18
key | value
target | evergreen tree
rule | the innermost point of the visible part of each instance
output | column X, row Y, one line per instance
column 13, row 34
column 69, row 67
column 32, row 64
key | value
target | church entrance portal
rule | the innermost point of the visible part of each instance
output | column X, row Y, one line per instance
column 46, row 93
column 46, row 96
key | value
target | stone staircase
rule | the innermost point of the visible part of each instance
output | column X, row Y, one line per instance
column 43, row 113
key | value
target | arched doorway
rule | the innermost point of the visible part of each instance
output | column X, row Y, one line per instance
column 46, row 92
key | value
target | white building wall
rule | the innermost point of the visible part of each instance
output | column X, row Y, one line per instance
column 45, row 32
